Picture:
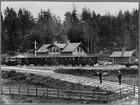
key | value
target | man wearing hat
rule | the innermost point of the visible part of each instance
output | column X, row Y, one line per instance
column 119, row 76
column 100, row 76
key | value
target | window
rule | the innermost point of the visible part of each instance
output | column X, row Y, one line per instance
column 132, row 60
column 57, row 50
column 53, row 49
column 50, row 50
column 124, row 60
column 116, row 60
column 80, row 49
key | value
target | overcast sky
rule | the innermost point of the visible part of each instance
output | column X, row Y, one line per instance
column 60, row 8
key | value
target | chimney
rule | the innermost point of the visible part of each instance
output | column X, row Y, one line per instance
column 123, row 50
column 68, row 41
column 55, row 42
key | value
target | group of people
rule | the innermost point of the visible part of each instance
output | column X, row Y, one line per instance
column 119, row 76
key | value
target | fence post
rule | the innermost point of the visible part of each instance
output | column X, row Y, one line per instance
column 28, row 91
column 19, row 90
column 93, row 95
column 1, row 89
column 120, row 93
column 80, row 94
column 36, row 91
column 47, row 93
column 10, row 90
column 134, row 89
column 107, row 96
column 58, row 93
column 69, row 93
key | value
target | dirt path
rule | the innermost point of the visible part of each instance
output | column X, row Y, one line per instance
column 75, row 79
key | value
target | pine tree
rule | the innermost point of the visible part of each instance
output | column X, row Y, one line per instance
column 11, row 27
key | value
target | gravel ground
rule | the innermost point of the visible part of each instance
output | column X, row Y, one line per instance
column 76, row 79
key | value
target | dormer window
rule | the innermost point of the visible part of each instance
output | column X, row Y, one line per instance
column 78, row 50
column 53, row 49
column 57, row 50
column 50, row 50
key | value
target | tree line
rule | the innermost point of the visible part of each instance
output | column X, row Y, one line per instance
column 97, row 32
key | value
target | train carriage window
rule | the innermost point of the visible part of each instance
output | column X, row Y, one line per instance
column 84, row 58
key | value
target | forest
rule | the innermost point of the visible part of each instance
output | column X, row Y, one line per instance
column 97, row 32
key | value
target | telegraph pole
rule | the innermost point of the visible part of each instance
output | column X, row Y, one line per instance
column 35, row 43
column 89, row 43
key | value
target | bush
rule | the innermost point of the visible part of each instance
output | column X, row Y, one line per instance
column 11, row 73
column 4, row 74
column 77, row 72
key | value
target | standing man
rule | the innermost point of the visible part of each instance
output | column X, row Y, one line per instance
column 119, row 76
column 100, row 76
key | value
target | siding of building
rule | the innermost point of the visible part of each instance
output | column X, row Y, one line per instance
column 54, row 50
column 123, row 57
column 79, row 51
column 42, row 54
column 66, row 53
column 67, row 49
column 118, row 60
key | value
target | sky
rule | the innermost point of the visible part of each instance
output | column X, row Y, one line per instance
column 60, row 8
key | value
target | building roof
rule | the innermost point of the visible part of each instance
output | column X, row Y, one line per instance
column 43, row 48
column 66, row 47
column 122, row 54
column 60, row 45
column 71, row 47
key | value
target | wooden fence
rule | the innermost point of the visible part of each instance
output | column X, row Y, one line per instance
column 122, row 93
column 58, row 93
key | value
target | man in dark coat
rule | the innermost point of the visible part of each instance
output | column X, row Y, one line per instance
column 100, row 76
column 119, row 77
